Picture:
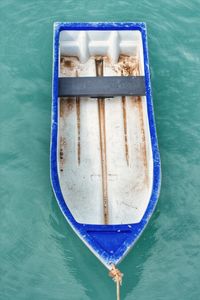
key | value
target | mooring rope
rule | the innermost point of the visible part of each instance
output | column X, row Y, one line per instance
column 117, row 277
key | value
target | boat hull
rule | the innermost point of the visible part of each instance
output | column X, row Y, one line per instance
column 110, row 242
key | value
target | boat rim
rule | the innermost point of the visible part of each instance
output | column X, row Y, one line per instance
column 80, row 228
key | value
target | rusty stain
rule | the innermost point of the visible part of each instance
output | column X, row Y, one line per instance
column 68, row 61
column 69, row 104
column 61, row 153
column 78, row 129
column 62, row 139
column 137, row 103
column 101, row 108
column 134, row 100
column 78, row 126
column 61, row 107
column 62, row 146
column 68, row 64
column 129, row 65
column 66, row 106
column 125, row 129
column 102, row 132
column 143, row 143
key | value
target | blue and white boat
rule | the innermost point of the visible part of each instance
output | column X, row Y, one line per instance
column 105, row 163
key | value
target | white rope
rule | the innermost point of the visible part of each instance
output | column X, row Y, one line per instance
column 117, row 277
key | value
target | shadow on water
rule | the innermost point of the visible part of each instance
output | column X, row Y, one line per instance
column 87, row 270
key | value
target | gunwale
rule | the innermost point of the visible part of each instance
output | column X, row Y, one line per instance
column 128, row 233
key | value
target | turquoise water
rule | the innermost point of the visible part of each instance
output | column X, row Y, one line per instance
column 40, row 257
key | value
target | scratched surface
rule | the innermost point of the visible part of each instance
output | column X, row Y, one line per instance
column 105, row 166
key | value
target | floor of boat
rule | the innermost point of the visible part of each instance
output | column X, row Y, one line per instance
column 104, row 155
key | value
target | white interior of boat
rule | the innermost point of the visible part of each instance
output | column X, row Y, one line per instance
column 104, row 156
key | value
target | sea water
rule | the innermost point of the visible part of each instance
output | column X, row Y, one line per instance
column 40, row 256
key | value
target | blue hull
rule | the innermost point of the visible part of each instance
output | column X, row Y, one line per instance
column 110, row 243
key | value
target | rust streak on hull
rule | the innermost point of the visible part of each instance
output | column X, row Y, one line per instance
column 125, row 129
column 102, row 132
column 62, row 139
column 78, row 129
column 101, row 108
column 143, row 144
column 78, row 122
column 130, row 66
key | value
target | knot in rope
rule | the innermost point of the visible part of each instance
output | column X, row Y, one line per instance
column 117, row 277
column 116, row 274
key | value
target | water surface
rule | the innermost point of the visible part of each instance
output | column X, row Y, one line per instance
column 40, row 257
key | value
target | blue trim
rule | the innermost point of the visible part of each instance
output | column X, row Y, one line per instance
column 121, row 237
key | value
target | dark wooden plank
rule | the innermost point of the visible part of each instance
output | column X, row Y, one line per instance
column 101, row 87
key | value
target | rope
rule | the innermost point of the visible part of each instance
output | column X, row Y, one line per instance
column 117, row 277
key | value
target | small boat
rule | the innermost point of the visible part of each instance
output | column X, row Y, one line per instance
column 105, row 163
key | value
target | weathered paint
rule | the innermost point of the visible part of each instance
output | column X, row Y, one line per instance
column 109, row 243
column 113, row 188
column 102, row 135
column 125, row 129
